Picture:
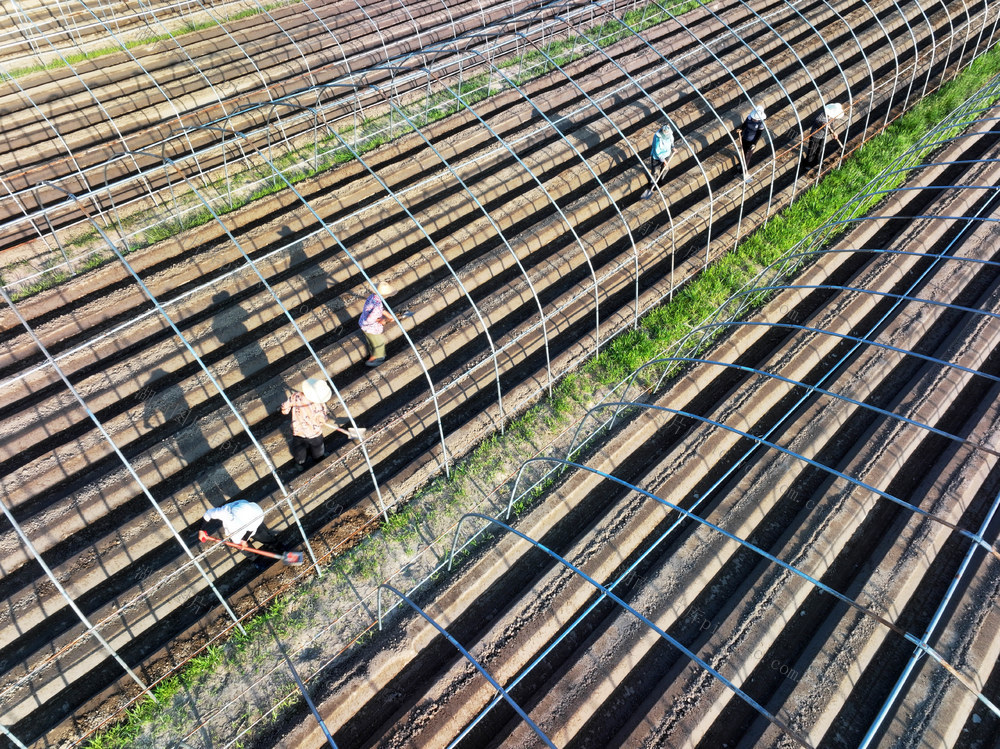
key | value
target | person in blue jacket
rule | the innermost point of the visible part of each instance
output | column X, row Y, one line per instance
column 660, row 156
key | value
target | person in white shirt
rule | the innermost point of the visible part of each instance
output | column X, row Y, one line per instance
column 240, row 521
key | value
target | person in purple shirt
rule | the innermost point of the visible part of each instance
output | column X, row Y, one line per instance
column 373, row 321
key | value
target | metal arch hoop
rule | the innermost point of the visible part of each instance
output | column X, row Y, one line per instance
column 607, row 192
column 775, row 560
column 569, row 225
column 820, row 331
column 309, row 348
column 763, row 62
column 507, row 244
column 767, row 443
column 126, row 462
column 218, row 386
column 6, row 732
column 607, row 592
column 817, row 391
column 781, row 39
column 260, row 74
column 533, row 176
column 843, row 75
column 41, row 112
column 265, row 11
column 444, row 259
column 928, row 632
column 864, row 56
column 812, row 239
column 465, row 654
column 368, row 280
column 621, row 20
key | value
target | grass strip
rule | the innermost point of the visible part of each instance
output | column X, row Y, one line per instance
column 433, row 512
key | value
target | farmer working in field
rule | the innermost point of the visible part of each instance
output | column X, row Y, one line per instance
column 373, row 320
column 751, row 133
column 821, row 125
column 308, row 409
column 309, row 415
column 659, row 158
column 238, row 521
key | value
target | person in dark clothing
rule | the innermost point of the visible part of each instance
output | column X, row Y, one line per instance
column 751, row 133
column 822, row 125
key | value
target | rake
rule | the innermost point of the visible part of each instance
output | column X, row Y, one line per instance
column 291, row 558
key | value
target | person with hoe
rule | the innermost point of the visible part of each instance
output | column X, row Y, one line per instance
column 659, row 158
column 238, row 522
column 821, row 125
column 235, row 523
column 372, row 322
column 751, row 133
column 309, row 415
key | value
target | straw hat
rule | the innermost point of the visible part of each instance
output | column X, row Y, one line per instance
column 833, row 111
column 316, row 391
column 386, row 289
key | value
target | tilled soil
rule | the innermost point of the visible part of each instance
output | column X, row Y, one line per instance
column 556, row 253
column 840, row 503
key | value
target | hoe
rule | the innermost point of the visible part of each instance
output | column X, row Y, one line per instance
column 289, row 557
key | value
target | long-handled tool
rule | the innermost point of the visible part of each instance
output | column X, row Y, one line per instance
column 289, row 557
column 353, row 433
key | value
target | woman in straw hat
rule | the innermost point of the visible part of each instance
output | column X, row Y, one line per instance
column 821, row 125
column 309, row 415
column 373, row 321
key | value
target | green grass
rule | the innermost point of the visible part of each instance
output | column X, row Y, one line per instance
column 48, row 280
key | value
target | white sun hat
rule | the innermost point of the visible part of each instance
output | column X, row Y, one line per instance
column 386, row 289
column 316, row 391
column 758, row 113
column 833, row 111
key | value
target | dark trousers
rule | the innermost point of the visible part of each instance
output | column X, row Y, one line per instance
column 815, row 148
column 264, row 535
column 656, row 170
column 303, row 445
column 748, row 148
